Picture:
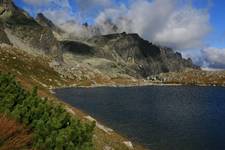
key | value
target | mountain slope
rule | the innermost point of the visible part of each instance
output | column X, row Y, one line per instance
column 136, row 57
column 22, row 29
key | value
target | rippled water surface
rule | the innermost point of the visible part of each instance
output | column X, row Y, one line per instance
column 161, row 118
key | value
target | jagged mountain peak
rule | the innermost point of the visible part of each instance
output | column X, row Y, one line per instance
column 45, row 22
column 132, row 37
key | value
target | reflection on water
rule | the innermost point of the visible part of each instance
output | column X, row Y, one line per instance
column 162, row 118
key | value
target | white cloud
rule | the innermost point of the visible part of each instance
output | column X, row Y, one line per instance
column 214, row 57
column 185, row 29
column 59, row 16
column 160, row 21
column 61, row 13
column 164, row 22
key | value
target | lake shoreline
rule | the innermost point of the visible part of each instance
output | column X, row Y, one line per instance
column 136, row 85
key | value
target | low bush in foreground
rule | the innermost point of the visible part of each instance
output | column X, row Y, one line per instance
column 52, row 126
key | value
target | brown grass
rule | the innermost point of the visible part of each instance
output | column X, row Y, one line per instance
column 13, row 136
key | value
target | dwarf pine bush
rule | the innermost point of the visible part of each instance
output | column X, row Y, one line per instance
column 53, row 128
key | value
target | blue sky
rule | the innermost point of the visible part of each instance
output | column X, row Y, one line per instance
column 207, row 39
column 217, row 20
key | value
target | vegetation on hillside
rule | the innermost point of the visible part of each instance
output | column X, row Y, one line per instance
column 51, row 125
column 34, row 70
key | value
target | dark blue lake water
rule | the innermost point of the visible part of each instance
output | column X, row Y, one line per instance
column 161, row 118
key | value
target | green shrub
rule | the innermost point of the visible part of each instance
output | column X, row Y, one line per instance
column 53, row 127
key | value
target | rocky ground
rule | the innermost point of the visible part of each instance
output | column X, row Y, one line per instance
column 191, row 77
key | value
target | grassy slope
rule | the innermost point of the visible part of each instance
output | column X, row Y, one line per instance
column 31, row 71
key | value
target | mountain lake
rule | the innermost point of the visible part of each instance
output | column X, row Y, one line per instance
column 158, row 117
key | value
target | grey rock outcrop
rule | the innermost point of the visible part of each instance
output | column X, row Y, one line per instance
column 140, row 55
column 3, row 37
column 25, row 28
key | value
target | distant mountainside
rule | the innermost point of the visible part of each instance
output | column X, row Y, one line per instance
column 112, row 55
column 136, row 57
column 141, row 55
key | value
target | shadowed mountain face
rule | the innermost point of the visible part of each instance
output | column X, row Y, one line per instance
column 22, row 29
column 77, row 48
column 128, row 53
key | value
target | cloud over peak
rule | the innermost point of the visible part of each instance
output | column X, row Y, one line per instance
column 161, row 21
column 165, row 22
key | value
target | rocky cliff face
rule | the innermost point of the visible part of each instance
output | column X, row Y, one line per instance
column 140, row 55
column 3, row 37
column 21, row 28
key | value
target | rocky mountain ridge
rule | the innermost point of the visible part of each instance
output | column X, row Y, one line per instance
column 45, row 22
column 141, row 55
column 113, row 55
